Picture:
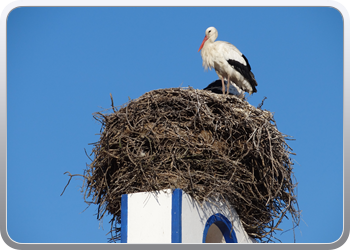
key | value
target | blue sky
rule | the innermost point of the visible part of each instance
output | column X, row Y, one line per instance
column 63, row 62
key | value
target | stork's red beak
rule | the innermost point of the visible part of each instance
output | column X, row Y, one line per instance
column 204, row 40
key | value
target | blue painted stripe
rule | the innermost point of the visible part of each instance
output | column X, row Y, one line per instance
column 124, row 219
column 176, row 211
column 224, row 225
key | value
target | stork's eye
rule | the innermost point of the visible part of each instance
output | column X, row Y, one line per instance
column 209, row 31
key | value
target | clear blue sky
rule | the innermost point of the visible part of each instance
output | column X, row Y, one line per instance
column 62, row 64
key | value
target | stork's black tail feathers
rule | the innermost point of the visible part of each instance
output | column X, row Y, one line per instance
column 253, row 82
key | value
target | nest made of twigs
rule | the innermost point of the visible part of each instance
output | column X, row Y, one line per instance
column 204, row 143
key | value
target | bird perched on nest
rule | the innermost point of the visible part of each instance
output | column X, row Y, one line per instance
column 228, row 62
column 216, row 88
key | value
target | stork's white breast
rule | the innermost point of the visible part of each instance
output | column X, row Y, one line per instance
column 218, row 53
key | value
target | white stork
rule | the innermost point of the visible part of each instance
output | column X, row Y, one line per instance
column 228, row 62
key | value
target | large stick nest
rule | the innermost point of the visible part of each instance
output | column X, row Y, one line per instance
column 204, row 143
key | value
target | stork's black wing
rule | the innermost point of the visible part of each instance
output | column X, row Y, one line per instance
column 216, row 87
column 245, row 71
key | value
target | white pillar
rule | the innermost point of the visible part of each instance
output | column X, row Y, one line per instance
column 172, row 216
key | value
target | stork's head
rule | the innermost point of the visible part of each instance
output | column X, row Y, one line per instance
column 210, row 34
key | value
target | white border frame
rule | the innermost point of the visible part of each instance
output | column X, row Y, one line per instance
column 286, row 3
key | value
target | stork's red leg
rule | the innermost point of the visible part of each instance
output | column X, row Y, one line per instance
column 228, row 85
column 223, row 85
